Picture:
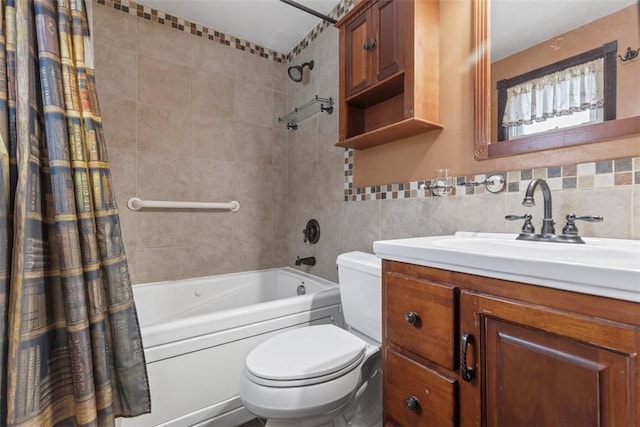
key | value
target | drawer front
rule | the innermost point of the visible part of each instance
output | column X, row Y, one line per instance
column 415, row 395
column 421, row 317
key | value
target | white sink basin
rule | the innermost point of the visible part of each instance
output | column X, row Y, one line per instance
column 605, row 267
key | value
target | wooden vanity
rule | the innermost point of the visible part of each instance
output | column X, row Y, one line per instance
column 461, row 349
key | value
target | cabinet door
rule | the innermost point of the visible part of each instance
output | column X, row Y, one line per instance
column 388, row 25
column 357, row 55
column 544, row 367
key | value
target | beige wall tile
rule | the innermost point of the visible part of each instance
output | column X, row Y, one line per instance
column 361, row 225
column 124, row 175
column 255, row 183
column 213, row 137
column 254, row 144
column 212, row 93
column 164, row 229
column 119, row 121
column 405, row 218
column 163, row 176
column 163, row 83
column 163, row 42
column 303, row 182
column 214, row 57
column 115, row 28
column 160, row 264
column 254, row 105
column 116, row 71
column 303, row 142
column 164, row 130
column 214, row 180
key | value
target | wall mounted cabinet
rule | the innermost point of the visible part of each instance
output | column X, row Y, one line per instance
column 460, row 349
column 389, row 71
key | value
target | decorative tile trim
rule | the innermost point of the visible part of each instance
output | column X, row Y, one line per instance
column 337, row 12
column 601, row 174
column 180, row 24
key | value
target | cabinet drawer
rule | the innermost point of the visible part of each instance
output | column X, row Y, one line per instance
column 421, row 317
column 435, row 395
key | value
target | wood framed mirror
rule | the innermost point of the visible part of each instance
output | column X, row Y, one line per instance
column 627, row 122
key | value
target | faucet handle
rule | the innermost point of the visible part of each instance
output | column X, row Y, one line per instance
column 527, row 227
column 571, row 230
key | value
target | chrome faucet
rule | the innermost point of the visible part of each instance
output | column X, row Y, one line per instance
column 547, row 222
column 547, row 234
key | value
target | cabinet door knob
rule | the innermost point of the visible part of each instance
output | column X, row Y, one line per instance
column 412, row 403
column 411, row 317
column 369, row 44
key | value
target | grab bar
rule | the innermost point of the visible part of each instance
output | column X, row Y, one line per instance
column 135, row 204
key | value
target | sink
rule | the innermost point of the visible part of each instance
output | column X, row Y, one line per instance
column 605, row 267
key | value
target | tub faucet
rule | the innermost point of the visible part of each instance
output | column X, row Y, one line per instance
column 311, row 260
column 547, row 222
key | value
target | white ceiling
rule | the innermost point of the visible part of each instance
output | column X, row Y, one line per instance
column 518, row 24
column 515, row 24
column 268, row 23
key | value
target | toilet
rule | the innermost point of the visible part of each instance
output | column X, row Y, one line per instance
column 324, row 375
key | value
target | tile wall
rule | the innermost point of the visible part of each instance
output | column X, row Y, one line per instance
column 189, row 117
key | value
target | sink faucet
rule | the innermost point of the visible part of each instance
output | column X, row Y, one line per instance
column 547, row 221
column 569, row 232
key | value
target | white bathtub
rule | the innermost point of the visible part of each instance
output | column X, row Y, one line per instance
column 197, row 333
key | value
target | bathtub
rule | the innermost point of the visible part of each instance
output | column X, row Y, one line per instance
column 198, row 332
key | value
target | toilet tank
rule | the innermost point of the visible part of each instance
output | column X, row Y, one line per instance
column 360, row 279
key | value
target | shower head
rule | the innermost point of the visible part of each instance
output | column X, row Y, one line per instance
column 295, row 72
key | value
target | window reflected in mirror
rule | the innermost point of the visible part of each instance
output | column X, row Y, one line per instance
column 572, row 92
column 527, row 38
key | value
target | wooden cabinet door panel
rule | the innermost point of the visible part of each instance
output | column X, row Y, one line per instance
column 389, row 52
column 432, row 336
column 534, row 378
column 435, row 394
column 358, row 59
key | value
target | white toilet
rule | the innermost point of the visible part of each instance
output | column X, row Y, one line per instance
column 324, row 375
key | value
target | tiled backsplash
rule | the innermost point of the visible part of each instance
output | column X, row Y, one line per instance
column 601, row 174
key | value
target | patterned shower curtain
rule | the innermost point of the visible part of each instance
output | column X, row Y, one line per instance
column 70, row 346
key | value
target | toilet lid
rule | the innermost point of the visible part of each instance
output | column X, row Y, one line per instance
column 303, row 353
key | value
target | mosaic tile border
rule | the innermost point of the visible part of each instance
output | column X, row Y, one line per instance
column 150, row 14
column 154, row 15
column 337, row 12
column 581, row 176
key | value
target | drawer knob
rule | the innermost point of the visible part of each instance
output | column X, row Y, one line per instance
column 411, row 317
column 412, row 403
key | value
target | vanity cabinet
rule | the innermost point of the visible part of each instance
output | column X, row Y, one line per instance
column 389, row 71
column 483, row 351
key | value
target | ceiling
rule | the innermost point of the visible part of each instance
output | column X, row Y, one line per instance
column 268, row 23
column 516, row 24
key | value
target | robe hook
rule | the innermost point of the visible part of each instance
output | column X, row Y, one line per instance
column 629, row 55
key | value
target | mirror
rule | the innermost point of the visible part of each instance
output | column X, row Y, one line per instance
column 549, row 47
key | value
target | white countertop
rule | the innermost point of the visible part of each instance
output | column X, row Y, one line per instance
column 604, row 267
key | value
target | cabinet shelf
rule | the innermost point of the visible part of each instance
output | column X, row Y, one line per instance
column 316, row 105
column 398, row 130
column 389, row 72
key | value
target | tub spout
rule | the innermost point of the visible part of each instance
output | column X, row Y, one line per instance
column 306, row 261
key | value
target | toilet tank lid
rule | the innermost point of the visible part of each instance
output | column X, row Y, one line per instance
column 361, row 261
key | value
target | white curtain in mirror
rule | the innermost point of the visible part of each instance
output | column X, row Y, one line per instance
column 564, row 92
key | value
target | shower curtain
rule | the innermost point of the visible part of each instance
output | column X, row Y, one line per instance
column 70, row 346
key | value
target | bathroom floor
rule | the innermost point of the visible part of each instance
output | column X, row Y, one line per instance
column 256, row 422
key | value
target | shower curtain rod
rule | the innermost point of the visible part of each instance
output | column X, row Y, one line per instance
column 309, row 10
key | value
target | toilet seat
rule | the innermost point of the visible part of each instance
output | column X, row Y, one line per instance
column 305, row 356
